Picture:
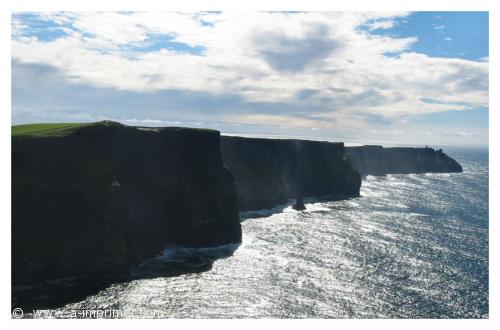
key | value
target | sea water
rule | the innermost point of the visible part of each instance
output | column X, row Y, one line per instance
column 411, row 246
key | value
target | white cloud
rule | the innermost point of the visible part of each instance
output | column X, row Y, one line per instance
column 385, row 24
column 320, row 60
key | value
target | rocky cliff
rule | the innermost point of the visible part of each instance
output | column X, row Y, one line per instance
column 96, row 200
column 270, row 171
column 377, row 160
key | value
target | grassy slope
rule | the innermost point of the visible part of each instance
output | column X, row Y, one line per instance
column 63, row 129
column 46, row 129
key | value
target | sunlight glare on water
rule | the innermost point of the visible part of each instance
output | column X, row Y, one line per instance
column 412, row 246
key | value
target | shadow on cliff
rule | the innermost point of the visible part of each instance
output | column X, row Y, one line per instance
column 173, row 261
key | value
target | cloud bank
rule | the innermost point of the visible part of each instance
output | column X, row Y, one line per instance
column 314, row 70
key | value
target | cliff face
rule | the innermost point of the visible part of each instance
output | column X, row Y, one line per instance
column 103, row 197
column 98, row 200
column 269, row 172
column 377, row 160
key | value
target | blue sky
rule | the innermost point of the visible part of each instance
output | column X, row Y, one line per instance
column 445, row 34
column 357, row 77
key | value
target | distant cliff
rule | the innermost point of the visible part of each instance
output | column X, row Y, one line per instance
column 270, row 171
column 97, row 199
column 377, row 160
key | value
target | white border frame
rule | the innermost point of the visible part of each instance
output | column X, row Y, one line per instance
column 7, row 7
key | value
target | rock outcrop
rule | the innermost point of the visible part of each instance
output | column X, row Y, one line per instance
column 270, row 171
column 106, row 196
column 377, row 160
column 299, row 204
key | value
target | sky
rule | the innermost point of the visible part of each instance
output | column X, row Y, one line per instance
column 360, row 77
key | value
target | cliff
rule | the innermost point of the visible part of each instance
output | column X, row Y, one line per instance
column 377, row 160
column 269, row 171
column 96, row 199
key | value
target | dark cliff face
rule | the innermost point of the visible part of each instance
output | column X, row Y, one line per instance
column 376, row 160
column 106, row 197
column 269, row 172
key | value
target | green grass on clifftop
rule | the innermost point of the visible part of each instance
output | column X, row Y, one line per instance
column 45, row 129
column 64, row 129
column 55, row 129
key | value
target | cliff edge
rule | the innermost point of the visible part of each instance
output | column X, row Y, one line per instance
column 377, row 160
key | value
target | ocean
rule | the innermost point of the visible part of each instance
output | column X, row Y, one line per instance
column 411, row 246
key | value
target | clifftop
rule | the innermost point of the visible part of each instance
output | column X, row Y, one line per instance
column 65, row 129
